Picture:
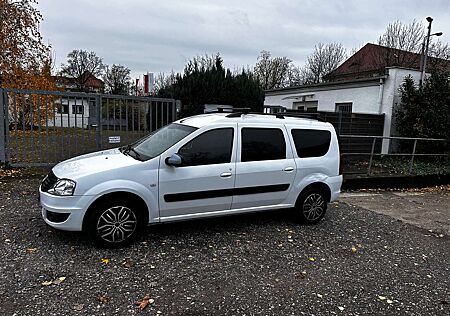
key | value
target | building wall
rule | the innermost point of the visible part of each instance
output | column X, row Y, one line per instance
column 71, row 119
column 391, row 98
column 364, row 99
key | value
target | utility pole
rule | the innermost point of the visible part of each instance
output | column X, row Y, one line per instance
column 425, row 55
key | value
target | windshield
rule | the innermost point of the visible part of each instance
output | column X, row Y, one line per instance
column 159, row 141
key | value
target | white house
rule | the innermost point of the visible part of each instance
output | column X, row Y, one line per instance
column 368, row 82
column 73, row 112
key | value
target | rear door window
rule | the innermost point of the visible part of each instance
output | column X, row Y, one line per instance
column 262, row 144
column 311, row 142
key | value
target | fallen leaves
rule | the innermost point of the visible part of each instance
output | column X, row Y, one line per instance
column 127, row 263
column 31, row 250
column 103, row 299
column 105, row 261
column 145, row 302
column 4, row 173
column 54, row 282
column 78, row 307
column 301, row 275
column 384, row 298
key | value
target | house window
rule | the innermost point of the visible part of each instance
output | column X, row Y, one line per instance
column 344, row 107
column 62, row 108
column 77, row 109
column 306, row 106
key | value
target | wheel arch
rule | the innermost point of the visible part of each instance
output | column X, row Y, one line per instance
column 128, row 196
column 319, row 186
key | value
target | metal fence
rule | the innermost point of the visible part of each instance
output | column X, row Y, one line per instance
column 403, row 153
column 44, row 127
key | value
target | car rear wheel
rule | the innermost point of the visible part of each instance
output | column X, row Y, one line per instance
column 311, row 207
column 114, row 224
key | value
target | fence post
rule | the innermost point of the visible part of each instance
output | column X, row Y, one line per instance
column 371, row 156
column 340, row 123
column 98, row 136
column 3, row 126
column 412, row 156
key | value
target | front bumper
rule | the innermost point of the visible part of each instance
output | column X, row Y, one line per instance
column 57, row 208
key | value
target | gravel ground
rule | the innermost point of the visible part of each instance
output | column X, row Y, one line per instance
column 259, row 264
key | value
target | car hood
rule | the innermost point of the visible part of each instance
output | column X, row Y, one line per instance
column 96, row 162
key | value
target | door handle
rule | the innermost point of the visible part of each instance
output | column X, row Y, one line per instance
column 288, row 169
column 226, row 174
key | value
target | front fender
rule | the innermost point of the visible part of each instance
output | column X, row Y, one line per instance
column 146, row 194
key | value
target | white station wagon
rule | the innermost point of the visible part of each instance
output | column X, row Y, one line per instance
column 201, row 166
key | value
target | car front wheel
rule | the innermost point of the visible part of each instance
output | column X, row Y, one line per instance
column 114, row 224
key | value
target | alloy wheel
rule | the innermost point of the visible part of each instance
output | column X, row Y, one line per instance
column 116, row 224
column 313, row 207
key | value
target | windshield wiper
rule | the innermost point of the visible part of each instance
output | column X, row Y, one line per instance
column 129, row 149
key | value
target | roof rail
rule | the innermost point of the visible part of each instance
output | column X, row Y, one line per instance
column 237, row 112
column 281, row 115
column 313, row 116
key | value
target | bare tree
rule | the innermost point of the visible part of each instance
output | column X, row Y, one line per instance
column 162, row 81
column 399, row 39
column 403, row 36
column 81, row 65
column 439, row 50
column 117, row 79
column 271, row 72
column 324, row 59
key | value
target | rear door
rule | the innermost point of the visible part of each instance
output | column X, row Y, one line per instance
column 265, row 168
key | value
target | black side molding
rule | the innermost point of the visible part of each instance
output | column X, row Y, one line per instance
column 199, row 195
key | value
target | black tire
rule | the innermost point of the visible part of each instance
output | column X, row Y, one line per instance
column 311, row 206
column 114, row 223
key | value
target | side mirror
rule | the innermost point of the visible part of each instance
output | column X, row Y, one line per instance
column 175, row 160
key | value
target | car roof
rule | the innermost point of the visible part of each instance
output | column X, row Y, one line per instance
column 201, row 120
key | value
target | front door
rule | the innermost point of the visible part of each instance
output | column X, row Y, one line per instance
column 205, row 180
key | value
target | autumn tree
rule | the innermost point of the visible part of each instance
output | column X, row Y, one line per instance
column 324, row 59
column 272, row 72
column 81, row 65
column 25, row 61
column 23, row 53
column 117, row 79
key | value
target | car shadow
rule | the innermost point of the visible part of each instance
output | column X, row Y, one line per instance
column 227, row 223
column 201, row 229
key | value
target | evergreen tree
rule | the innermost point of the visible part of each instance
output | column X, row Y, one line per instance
column 206, row 81
column 425, row 112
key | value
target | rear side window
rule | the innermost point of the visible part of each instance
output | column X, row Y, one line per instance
column 311, row 142
column 262, row 144
column 211, row 147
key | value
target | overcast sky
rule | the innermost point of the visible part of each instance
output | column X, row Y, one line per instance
column 159, row 36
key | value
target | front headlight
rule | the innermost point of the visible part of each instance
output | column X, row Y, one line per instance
column 63, row 187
